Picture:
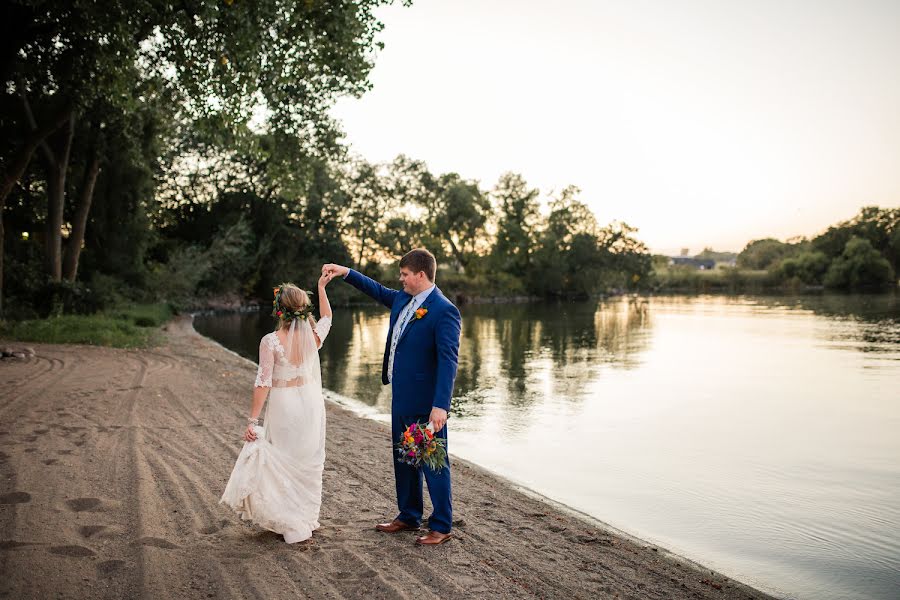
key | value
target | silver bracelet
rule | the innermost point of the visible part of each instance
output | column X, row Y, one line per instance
column 253, row 421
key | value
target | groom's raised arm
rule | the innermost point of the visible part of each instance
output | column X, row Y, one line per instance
column 371, row 287
column 447, row 342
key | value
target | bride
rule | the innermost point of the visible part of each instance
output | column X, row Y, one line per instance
column 277, row 479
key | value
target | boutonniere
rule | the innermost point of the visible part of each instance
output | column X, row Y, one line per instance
column 421, row 312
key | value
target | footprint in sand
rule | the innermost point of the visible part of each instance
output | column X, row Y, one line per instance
column 64, row 452
column 83, row 504
column 15, row 498
column 108, row 567
column 156, row 543
column 89, row 530
column 77, row 551
column 50, row 461
column 211, row 529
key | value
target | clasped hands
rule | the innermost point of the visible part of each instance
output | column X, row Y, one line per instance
column 331, row 270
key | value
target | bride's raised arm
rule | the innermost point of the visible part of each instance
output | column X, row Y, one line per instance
column 325, row 314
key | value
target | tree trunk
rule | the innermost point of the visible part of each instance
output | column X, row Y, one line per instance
column 2, row 255
column 56, row 197
column 16, row 170
column 20, row 162
column 56, row 184
column 79, row 222
column 457, row 253
column 362, row 249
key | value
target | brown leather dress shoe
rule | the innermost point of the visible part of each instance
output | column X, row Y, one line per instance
column 433, row 538
column 395, row 526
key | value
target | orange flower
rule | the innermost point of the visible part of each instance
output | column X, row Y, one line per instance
column 275, row 291
column 421, row 312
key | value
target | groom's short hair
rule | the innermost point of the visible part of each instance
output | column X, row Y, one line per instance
column 420, row 259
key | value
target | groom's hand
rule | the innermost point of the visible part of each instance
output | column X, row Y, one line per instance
column 335, row 270
column 438, row 418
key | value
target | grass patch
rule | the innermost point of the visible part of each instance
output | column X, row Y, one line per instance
column 142, row 315
column 126, row 327
column 728, row 280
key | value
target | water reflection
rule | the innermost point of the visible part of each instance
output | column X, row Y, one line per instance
column 518, row 354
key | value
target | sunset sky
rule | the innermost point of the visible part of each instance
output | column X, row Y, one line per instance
column 702, row 123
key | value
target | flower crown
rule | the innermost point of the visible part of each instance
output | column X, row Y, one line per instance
column 288, row 315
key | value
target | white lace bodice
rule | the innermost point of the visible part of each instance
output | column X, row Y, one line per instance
column 275, row 370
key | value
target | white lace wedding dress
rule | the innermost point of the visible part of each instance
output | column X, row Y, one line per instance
column 277, row 479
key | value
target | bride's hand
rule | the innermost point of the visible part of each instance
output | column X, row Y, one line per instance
column 324, row 279
column 249, row 435
column 335, row 270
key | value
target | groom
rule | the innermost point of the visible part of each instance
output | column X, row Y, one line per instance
column 420, row 358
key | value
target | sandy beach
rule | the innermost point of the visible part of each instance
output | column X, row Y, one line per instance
column 112, row 463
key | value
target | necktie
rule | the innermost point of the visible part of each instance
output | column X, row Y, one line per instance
column 402, row 320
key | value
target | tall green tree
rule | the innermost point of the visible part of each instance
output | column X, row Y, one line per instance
column 763, row 254
column 567, row 257
column 518, row 218
column 860, row 266
column 880, row 226
column 459, row 218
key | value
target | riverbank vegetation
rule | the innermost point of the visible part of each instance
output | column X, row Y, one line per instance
column 132, row 326
column 860, row 254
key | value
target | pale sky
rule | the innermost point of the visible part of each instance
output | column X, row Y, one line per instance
column 702, row 123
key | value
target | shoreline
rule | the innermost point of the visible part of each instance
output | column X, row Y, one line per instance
column 112, row 462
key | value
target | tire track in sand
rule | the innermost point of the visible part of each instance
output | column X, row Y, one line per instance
column 35, row 384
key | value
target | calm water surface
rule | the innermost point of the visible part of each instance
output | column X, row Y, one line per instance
column 759, row 436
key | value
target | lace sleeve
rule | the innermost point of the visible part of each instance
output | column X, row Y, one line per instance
column 323, row 326
column 266, row 364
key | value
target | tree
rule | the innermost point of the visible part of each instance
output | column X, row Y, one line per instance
column 762, row 254
column 877, row 225
column 808, row 266
column 369, row 201
column 458, row 217
column 629, row 260
column 567, row 258
column 518, row 219
column 860, row 265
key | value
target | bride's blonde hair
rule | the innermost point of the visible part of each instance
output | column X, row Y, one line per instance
column 291, row 299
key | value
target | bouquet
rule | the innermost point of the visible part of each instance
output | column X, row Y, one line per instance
column 418, row 447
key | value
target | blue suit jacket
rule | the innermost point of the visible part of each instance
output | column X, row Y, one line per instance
column 427, row 354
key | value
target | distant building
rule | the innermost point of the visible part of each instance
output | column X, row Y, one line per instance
column 702, row 264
